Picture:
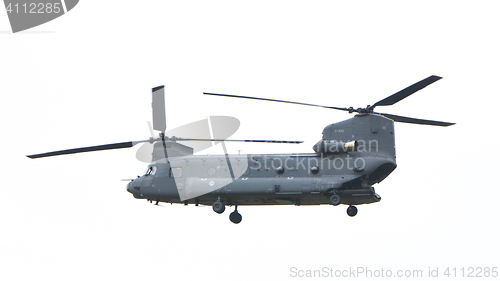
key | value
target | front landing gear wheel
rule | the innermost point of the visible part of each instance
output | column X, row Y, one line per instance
column 218, row 207
column 335, row 200
column 235, row 217
column 352, row 211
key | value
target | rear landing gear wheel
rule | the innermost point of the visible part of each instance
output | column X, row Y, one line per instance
column 352, row 211
column 235, row 217
column 335, row 200
column 218, row 207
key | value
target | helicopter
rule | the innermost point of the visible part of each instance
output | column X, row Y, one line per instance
column 351, row 157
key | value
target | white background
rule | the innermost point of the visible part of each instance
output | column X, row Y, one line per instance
column 85, row 79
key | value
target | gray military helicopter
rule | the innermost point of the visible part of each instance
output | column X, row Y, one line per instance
column 351, row 157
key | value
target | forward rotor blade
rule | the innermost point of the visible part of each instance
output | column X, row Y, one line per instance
column 87, row 149
column 407, row 91
column 292, row 102
column 221, row 140
column 403, row 119
column 159, row 119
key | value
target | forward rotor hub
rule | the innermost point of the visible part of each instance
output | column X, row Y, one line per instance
column 368, row 109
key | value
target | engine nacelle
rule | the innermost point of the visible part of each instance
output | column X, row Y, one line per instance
column 334, row 147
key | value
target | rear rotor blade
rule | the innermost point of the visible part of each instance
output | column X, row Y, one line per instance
column 159, row 119
column 407, row 91
column 87, row 149
column 404, row 119
column 221, row 140
column 292, row 102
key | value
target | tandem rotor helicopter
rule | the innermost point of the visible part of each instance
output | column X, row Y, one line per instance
column 350, row 158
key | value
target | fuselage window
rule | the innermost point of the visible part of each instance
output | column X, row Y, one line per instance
column 176, row 172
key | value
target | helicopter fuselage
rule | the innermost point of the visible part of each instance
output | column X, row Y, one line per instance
column 278, row 179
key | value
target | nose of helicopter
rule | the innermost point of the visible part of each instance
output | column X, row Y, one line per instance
column 134, row 188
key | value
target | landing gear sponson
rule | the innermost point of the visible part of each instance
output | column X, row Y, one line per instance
column 235, row 217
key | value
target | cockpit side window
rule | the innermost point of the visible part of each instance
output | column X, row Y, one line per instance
column 150, row 171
